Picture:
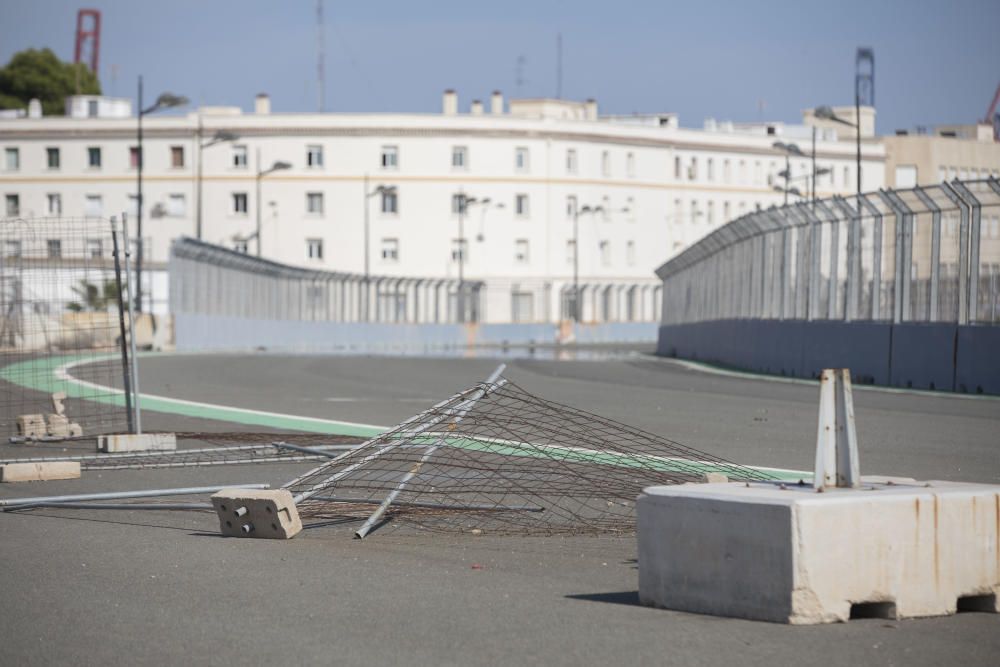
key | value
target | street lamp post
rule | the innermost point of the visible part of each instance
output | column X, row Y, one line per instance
column 789, row 150
column 261, row 173
column 826, row 113
column 164, row 101
column 220, row 137
column 577, row 212
column 380, row 190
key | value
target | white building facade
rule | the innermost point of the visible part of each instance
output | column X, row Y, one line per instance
column 528, row 169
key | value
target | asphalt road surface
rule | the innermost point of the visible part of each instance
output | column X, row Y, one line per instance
column 88, row 587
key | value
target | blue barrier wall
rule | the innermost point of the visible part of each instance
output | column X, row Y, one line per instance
column 201, row 333
column 922, row 355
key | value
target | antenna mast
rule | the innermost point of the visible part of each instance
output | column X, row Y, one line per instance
column 320, row 57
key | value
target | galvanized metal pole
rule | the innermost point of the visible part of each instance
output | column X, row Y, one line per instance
column 118, row 495
column 137, row 410
column 123, row 336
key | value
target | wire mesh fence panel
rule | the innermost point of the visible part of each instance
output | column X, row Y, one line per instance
column 498, row 459
column 61, row 328
column 927, row 254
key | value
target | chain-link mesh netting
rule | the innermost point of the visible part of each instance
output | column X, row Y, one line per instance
column 496, row 458
column 60, row 325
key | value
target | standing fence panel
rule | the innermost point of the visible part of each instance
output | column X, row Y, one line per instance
column 62, row 327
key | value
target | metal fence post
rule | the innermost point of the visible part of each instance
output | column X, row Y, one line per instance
column 974, row 238
column 935, row 275
column 963, row 250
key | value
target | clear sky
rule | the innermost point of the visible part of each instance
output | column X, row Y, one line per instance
column 935, row 62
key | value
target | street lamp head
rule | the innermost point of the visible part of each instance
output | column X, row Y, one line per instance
column 281, row 165
column 223, row 135
column 168, row 100
column 794, row 191
column 825, row 112
column 823, row 171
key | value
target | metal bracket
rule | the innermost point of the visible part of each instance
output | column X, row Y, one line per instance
column 836, row 439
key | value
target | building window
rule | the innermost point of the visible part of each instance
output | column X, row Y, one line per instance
column 12, row 159
column 176, row 205
column 390, row 202
column 240, row 203
column 711, row 212
column 726, row 172
column 743, row 171
column 314, row 249
column 94, row 157
column 630, row 165
column 314, row 203
column 522, row 305
column 52, row 158
column 630, row 212
column 53, row 248
column 521, row 159
column 240, row 157
column 570, row 251
column 54, row 203
column 95, row 248
column 133, row 157
column 390, row 250
column 630, row 253
column 133, row 205
column 678, row 211
column 571, row 163
column 758, row 173
column 241, row 245
column 847, row 177
column 605, row 163
column 13, row 205
column 314, row 156
column 457, row 203
column 12, row 249
column 694, row 211
column 521, row 206
column 93, row 205
column 459, row 157
column 710, row 169
column 605, row 250
column 390, row 157
column 176, row 157
column 677, row 168
column 459, row 250
column 521, row 251
column 606, row 208
column 725, row 211
column 571, row 206
column 693, row 170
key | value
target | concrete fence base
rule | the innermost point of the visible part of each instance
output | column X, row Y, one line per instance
column 938, row 356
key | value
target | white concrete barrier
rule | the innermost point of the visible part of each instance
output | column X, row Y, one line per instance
column 131, row 442
column 794, row 555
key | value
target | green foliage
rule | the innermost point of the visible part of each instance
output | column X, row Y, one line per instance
column 93, row 297
column 40, row 73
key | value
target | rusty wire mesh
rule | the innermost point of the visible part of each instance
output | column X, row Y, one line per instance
column 496, row 458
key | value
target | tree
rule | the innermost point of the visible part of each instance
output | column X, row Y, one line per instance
column 40, row 73
column 93, row 297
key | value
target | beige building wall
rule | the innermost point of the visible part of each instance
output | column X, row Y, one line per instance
column 939, row 158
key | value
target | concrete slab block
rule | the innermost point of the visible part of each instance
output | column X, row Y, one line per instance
column 259, row 513
column 793, row 555
column 39, row 471
column 57, row 425
column 31, row 426
column 131, row 442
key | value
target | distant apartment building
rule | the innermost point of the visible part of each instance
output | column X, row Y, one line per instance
column 966, row 152
column 639, row 189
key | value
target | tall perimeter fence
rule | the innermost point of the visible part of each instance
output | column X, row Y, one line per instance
column 901, row 286
column 226, row 300
column 65, row 366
